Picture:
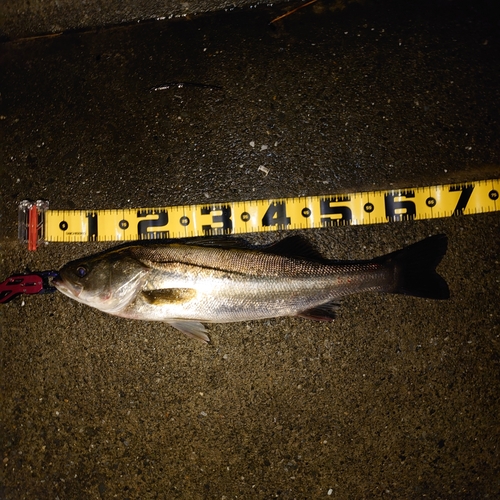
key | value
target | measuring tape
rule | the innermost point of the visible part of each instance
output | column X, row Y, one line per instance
column 37, row 223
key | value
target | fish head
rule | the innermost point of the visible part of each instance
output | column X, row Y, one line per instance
column 107, row 282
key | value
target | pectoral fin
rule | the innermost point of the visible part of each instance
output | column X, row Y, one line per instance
column 192, row 329
column 168, row 295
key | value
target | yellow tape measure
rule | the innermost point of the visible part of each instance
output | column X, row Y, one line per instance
column 38, row 223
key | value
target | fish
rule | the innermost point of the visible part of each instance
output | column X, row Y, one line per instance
column 192, row 282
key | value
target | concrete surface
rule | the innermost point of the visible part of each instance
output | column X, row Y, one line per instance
column 398, row 398
column 29, row 18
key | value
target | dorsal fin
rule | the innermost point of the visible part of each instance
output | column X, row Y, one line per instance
column 296, row 247
column 293, row 246
column 219, row 242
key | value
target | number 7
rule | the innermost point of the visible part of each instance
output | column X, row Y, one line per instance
column 466, row 191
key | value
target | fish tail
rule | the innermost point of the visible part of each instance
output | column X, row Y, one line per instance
column 415, row 268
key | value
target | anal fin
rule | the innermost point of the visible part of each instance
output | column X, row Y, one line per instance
column 323, row 312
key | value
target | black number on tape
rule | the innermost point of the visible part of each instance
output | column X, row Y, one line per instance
column 92, row 226
column 401, row 209
column 276, row 215
column 160, row 221
column 465, row 194
column 222, row 216
column 344, row 212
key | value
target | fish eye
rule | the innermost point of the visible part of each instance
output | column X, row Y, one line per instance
column 81, row 271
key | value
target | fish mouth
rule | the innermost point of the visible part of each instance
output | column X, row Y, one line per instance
column 67, row 288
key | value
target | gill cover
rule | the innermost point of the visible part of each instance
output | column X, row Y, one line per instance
column 107, row 282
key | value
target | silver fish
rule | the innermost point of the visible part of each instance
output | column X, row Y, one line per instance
column 185, row 284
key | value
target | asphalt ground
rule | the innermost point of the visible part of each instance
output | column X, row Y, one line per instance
column 397, row 398
column 32, row 18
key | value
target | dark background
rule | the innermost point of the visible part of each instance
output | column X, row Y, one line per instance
column 398, row 397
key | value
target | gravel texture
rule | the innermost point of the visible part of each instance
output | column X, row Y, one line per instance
column 397, row 398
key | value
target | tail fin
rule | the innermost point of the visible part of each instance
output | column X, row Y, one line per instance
column 415, row 268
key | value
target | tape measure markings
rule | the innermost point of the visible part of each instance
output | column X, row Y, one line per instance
column 370, row 207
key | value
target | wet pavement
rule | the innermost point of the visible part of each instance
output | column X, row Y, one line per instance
column 398, row 397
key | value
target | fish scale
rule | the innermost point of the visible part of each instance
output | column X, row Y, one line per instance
column 186, row 284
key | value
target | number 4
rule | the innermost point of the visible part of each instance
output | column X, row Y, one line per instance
column 276, row 215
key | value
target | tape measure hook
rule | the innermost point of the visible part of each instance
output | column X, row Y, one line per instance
column 31, row 218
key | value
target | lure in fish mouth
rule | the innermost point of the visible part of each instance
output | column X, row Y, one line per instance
column 195, row 282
